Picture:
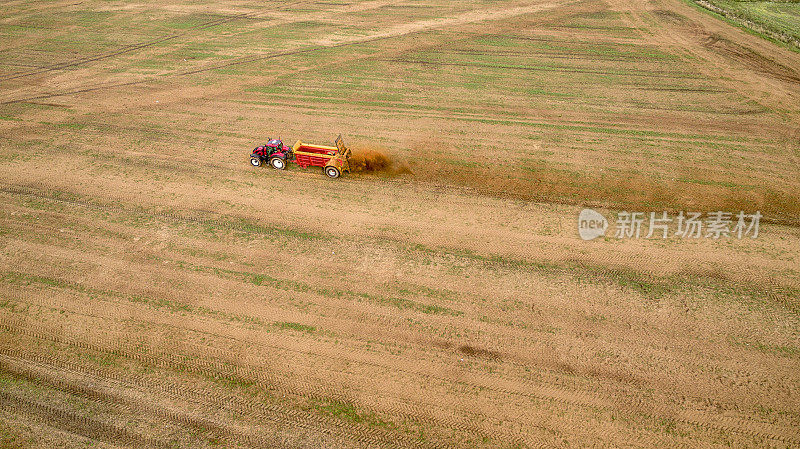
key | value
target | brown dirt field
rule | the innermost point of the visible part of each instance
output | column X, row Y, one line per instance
column 157, row 291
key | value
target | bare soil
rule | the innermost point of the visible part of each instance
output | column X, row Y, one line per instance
column 158, row 291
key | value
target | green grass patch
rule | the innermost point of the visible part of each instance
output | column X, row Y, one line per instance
column 649, row 286
column 75, row 126
column 348, row 412
column 707, row 182
column 11, row 437
column 780, row 350
column 295, row 326
column 144, row 218
column 12, row 277
column 301, row 287
column 781, row 17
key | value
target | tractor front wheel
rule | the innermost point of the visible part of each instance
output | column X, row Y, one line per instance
column 277, row 163
column 332, row 172
column 255, row 161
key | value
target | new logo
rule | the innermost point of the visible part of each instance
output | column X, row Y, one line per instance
column 591, row 224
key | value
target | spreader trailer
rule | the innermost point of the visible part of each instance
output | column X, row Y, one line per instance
column 333, row 160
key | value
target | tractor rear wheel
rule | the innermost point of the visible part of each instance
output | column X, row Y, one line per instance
column 277, row 163
column 255, row 161
column 332, row 172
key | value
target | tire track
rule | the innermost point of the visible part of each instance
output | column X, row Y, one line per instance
column 634, row 59
column 553, row 393
column 134, row 47
column 645, row 74
column 230, row 371
column 745, row 22
column 74, row 91
column 487, row 381
column 215, row 222
column 400, row 408
column 77, row 423
column 392, row 33
column 178, row 392
column 213, row 369
column 223, row 224
column 12, row 362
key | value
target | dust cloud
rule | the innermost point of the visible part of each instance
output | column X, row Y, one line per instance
column 370, row 160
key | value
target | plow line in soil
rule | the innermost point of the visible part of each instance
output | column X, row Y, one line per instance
column 215, row 369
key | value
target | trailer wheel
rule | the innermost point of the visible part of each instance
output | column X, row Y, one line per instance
column 255, row 161
column 332, row 172
column 277, row 163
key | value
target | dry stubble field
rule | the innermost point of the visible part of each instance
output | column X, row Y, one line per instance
column 158, row 291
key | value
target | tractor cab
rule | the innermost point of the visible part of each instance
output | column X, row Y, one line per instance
column 276, row 146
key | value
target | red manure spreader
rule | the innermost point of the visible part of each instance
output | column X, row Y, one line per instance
column 333, row 160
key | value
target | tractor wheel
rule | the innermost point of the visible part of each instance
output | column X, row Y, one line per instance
column 277, row 163
column 255, row 161
column 332, row 172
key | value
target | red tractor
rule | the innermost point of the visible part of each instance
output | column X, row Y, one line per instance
column 273, row 152
column 333, row 160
